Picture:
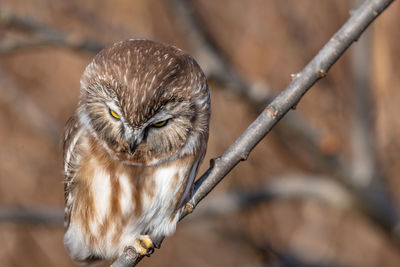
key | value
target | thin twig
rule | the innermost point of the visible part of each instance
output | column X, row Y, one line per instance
column 315, row 70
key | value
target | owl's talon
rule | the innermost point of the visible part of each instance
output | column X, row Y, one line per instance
column 150, row 251
column 145, row 245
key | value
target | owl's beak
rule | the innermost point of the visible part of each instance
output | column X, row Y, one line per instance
column 132, row 145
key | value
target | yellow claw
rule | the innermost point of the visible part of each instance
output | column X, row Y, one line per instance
column 146, row 246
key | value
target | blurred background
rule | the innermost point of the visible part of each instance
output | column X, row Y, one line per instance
column 320, row 190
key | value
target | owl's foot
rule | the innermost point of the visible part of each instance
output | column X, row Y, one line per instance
column 144, row 245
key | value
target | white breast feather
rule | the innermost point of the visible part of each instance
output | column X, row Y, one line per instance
column 101, row 190
column 126, row 194
column 157, row 213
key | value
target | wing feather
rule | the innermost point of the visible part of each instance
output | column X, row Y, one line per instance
column 72, row 136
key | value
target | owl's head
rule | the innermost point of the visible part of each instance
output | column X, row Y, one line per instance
column 145, row 102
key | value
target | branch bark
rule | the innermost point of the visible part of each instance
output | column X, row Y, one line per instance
column 316, row 69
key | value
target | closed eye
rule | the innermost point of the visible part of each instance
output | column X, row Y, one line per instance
column 160, row 124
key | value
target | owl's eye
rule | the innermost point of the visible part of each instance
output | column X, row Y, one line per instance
column 114, row 114
column 160, row 124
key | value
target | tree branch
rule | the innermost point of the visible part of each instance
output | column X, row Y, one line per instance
column 316, row 69
column 363, row 177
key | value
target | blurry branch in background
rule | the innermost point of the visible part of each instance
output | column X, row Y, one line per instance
column 219, row 68
column 291, row 186
column 316, row 69
column 213, row 61
column 366, row 177
column 363, row 177
column 366, row 186
column 283, row 187
column 44, row 215
column 26, row 109
column 13, row 97
column 40, row 35
column 271, row 256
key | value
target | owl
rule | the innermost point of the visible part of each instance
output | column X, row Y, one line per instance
column 132, row 148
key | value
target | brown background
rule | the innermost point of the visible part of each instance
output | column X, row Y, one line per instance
column 266, row 41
